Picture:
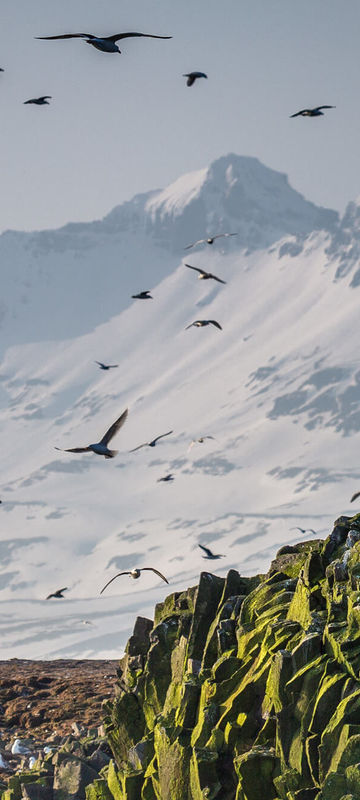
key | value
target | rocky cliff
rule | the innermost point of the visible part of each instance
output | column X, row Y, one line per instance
column 244, row 688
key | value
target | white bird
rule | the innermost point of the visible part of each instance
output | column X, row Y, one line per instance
column 134, row 573
column 101, row 448
column 4, row 764
column 199, row 441
column 19, row 748
column 210, row 239
column 107, row 44
column 32, row 762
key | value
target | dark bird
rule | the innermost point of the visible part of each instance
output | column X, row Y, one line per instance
column 106, row 366
column 310, row 112
column 204, row 276
column 143, row 295
column 105, row 43
column 152, row 443
column 304, row 530
column 200, row 323
column 166, row 478
column 209, row 554
column 192, row 76
column 134, row 573
column 210, row 239
column 101, row 448
column 357, row 494
column 58, row 593
column 39, row 101
column 2, row 70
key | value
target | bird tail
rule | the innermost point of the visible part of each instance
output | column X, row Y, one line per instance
column 111, row 453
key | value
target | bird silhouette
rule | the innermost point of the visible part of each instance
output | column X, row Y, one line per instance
column 134, row 573
column 310, row 112
column 192, row 77
column 166, row 478
column 201, row 323
column 209, row 554
column 210, row 239
column 203, row 275
column 106, row 366
column 152, row 443
column 58, row 593
column 304, row 530
column 107, row 44
column 357, row 494
column 101, row 448
column 143, row 295
column 39, row 101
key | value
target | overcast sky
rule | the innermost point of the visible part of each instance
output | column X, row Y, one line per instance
column 118, row 125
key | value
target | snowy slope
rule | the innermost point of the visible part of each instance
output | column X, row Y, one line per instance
column 278, row 388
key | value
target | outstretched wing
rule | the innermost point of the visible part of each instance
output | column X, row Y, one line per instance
column 69, row 36
column 357, row 494
column 217, row 324
column 100, row 364
column 117, row 36
column 189, row 326
column 139, row 447
column 221, row 235
column 298, row 113
column 206, row 550
column 112, row 579
column 152, row 569
column 199, row 241
column 73, row 449
column 162, row 436
column 114, row 428
column 318, row 108
column 202, row 272
column 216, row 278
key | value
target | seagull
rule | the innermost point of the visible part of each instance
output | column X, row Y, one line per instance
column 134, row 573
column 3, row 763
column 166, row 478
column 304, row 530
column 152, row 443
column 143, row 295
column 204, row 275
column 209, row 554
column 210, row 239
column 101, row 448
column 107, row 44
column 200, row 323
column 311, row 112
column 106, row 366
column 192, row 76
column 39, row 101
column 19, row 748
column 58, row 593
column 200, row 441
column 357, row 494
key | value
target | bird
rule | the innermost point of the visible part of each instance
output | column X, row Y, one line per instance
column 200, row 323
column 134, row 573
column 106, row 366
column 304, row 530
column 205, row 276
column 101, row 448
column 1, row 69
column 311, row 112
column 58, row 593
column 152, row 443
column 3, row 763
column 166, row 478
column 143, row 295
column 107, row 44
column 19, row 748
column 210, row 239
column 39, row 101
column 357, row 494
column 192, row 76
column 209, row 554
column 199, row 441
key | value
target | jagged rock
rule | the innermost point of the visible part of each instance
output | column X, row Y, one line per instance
column 71, row 776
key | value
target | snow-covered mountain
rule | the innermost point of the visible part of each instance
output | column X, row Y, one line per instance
column 278, row 388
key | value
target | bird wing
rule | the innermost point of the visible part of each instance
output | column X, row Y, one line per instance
column 206, row 550
column 190, row 80
column 220, row 235
column 199, row 241
column 318, row 108
column 152, row 569
column 298, row 113
column 217, row 325
column 162, row 436
column 73, row 449
column 100, row 364
column 117, row 36
column 302, row 530
column 357, row 494
column 114, row 428
column 69, row 36
column 144, row 444
column 202, row 272
column 216, row 278
column 112, row 579
column 189, row 326
column 45, row 97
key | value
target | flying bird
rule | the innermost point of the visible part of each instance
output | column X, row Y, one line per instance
column 210, row 239
column 357, row 494
column 134, row 573
column 58, row 593
column 39, row 101
column 310, row 112
column 2, row 70
column 200, row 323
column 166, row 478
column 101, row 448
column 199, row 441
column 204, row 276
column 192, row 76
column 107, row 44
column 106, row 366
column 143, row 295
column 152, row 443
column 304, row 530
column 209, row 554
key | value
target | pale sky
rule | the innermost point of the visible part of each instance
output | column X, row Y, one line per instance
column 118, row 125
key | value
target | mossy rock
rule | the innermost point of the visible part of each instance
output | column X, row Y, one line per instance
column 255, row 771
